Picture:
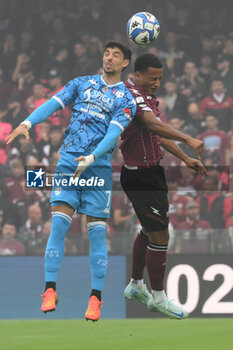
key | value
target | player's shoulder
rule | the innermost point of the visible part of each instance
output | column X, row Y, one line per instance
column 122, row 95
column 91, row 79
column 135, row 90
column 127, row 99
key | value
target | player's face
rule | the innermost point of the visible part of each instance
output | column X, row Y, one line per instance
column 114, row 61
column 150, row 79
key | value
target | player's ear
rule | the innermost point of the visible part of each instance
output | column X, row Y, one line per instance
column 126, row 63
column 137, row 74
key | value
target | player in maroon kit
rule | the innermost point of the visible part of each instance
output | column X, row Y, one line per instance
column 143, row 180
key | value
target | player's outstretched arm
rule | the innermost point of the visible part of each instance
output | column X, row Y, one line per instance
column 192, row 163
column 36, row 117
column 156, row 126
column 103, row 147
column 20, row 130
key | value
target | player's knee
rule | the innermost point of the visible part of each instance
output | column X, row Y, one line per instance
column 96, row 231
column 159, row 237
column 99, row 262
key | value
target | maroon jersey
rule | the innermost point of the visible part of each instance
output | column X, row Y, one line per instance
column 139, row 146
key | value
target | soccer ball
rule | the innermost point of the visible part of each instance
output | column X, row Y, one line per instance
column 143, row 28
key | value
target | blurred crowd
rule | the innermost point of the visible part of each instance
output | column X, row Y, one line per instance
column 45, row 44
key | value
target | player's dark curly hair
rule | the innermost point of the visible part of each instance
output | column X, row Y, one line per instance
column 143, row 62
column 125, row 50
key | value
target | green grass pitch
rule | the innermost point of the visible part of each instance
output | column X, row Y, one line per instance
column 143, row 334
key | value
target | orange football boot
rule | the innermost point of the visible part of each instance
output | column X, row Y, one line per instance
column 93, row 310
column 50, row 300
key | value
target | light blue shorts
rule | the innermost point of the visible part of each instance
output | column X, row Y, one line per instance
column 91, row 195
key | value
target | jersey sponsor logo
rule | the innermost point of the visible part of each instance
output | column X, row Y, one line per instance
column 87, row 94
column 134, row 91
column 127, row 113
column 95, row 94
column 93, row 113
column 140, row 99
column 119, row 94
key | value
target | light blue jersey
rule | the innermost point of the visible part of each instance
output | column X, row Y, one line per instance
column 96, row 105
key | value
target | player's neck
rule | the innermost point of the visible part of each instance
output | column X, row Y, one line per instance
column 111, row 78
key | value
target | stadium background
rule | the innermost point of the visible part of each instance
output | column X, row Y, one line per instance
column 45, row 44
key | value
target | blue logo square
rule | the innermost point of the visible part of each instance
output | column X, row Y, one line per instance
column 35, row 178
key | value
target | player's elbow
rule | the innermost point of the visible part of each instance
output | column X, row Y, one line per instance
column 154, row 126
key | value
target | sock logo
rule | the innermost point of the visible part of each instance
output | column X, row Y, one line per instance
column 102, row 262
column 52, row 253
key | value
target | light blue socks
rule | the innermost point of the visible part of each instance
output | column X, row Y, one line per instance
column 98, row 253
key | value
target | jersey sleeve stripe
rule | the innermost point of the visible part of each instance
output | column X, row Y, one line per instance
column 147, row 109
column 115, row 122
column 59, row 101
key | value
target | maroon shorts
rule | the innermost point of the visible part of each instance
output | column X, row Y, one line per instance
column 147, row 190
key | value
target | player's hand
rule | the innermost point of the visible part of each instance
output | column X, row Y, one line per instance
column 20, row 130
column 196, row 165
column 197, row 145
column 84, row 163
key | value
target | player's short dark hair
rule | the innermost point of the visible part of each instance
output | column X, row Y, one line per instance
column 145, row 61
column 124, row 49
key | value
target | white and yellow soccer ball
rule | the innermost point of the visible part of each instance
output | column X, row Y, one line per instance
column 143, row 28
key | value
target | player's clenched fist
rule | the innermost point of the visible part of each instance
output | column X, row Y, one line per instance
column 22, row 129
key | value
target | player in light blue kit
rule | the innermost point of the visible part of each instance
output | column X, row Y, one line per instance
column 102, row 108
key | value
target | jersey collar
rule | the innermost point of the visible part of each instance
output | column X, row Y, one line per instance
column 119, row 83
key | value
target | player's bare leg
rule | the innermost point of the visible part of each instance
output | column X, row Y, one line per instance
column 61, row 219
column 98, row 262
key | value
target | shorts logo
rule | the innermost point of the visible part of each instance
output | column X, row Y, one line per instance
column 57, row 191
column 35, row 178
column 156, row 211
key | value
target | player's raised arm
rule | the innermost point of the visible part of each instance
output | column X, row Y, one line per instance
column 62, row 99
column 164, row 130
column 192, row 163
column 37, row 116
